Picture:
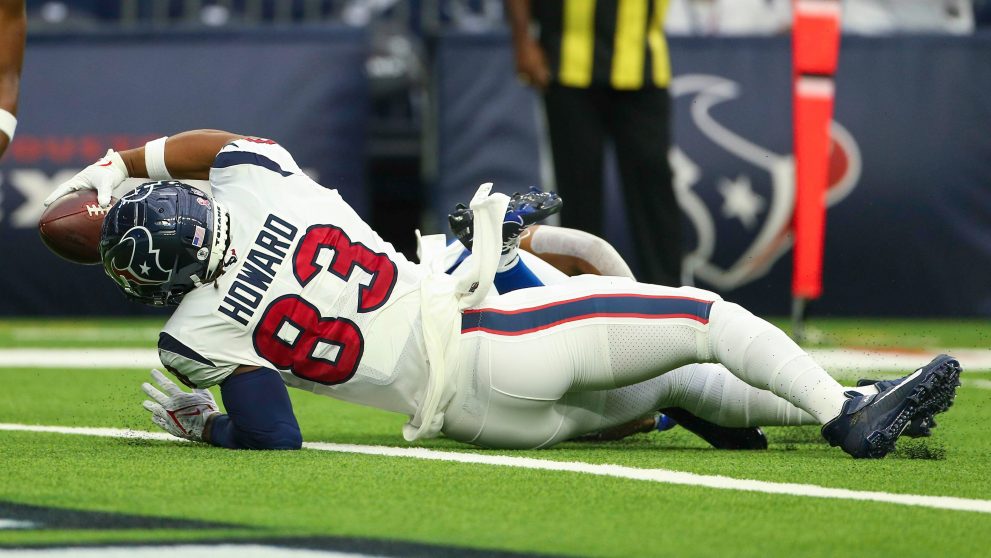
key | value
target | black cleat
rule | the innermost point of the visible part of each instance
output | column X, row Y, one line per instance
column 922, row 424
column 869, row 425
column 523, row 210
column 719, row 437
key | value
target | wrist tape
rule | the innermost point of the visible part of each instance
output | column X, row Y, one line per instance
column 8, row 123
column 155, row 159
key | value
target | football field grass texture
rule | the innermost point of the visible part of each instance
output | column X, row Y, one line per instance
column 247, row 495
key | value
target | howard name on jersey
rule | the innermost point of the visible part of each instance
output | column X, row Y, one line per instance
column 308, row 289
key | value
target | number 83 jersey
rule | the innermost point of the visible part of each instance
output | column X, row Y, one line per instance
column 309, row 289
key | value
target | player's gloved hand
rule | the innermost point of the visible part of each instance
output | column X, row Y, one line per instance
column 102, row 176
column 179, row 412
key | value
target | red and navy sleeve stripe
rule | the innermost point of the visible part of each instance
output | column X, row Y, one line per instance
column 231, row 158
column 537, row 318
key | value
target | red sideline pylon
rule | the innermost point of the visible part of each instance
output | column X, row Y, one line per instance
column 815, row 49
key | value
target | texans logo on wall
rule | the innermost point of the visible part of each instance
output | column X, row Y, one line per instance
column 739, row 203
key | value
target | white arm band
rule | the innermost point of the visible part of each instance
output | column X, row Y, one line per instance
column 155, row 159
column 8, row 123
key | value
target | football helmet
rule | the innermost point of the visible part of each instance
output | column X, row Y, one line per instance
column 162, row 240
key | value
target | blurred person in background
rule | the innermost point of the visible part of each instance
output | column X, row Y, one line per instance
column 603, row 70
column 13, row 30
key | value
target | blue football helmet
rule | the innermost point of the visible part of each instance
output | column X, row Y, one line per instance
column 162, row 240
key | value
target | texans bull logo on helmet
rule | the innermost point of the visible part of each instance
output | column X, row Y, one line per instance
column 139, row 265
column 737, row 194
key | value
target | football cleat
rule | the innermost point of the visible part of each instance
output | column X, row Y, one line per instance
column 523, row 210
column 719, row 437
column 922, row 424
column 869, row 425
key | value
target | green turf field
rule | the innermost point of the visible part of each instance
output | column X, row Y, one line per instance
column 329, row 494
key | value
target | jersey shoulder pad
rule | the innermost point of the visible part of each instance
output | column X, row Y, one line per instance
column 189, row 366
column 259, row 153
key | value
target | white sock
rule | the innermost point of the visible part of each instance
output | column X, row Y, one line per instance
column 509, row 260
column 765, row 357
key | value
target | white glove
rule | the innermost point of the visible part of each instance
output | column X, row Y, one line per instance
column 178, row 412
column 102, row 176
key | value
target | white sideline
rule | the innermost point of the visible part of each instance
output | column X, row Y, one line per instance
column 841, row 362
column 79, row 358
column 618, row 471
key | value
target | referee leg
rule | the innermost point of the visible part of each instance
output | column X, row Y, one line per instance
column 640, row 124
column 577, row 139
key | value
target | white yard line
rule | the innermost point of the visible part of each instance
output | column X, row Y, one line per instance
column 618, row 471
column 79, row 358
column 846, row 362
column 983, row 384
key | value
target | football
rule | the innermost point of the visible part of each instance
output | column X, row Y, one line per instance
column 70, row 227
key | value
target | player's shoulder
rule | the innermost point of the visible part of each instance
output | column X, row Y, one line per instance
column 258, row 153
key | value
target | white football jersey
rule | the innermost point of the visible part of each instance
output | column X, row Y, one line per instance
column 314, row 292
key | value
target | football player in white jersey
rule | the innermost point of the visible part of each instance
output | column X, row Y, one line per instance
column 278, row 281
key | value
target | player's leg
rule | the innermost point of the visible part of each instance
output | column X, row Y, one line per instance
column 523, row 210
column 708, row 391
column 595, row 333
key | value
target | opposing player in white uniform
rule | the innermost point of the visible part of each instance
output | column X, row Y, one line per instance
column 277, row 279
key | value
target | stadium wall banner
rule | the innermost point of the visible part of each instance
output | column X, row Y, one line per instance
column 909, row 196
column 80, row 95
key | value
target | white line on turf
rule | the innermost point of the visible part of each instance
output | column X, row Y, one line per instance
column 79, row 358
column 16, row 524
column 618, row 471
column 983, row 384
column 845, row 363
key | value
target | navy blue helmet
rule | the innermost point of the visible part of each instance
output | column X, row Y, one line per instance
column 162, row 240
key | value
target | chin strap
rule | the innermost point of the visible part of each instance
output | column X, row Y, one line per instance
column 221, row 239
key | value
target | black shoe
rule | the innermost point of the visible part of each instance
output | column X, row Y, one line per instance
column 869, row 425
column 523, row 210
column 719, row 437
column 922, row 424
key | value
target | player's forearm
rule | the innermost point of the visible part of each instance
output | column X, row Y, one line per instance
column 259, row 414
column 13, row 28
column 188, row 155
column 574, row 252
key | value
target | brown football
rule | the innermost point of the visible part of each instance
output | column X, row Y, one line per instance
column 70, row 227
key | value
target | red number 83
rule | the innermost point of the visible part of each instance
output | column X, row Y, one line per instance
column 291, row 316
